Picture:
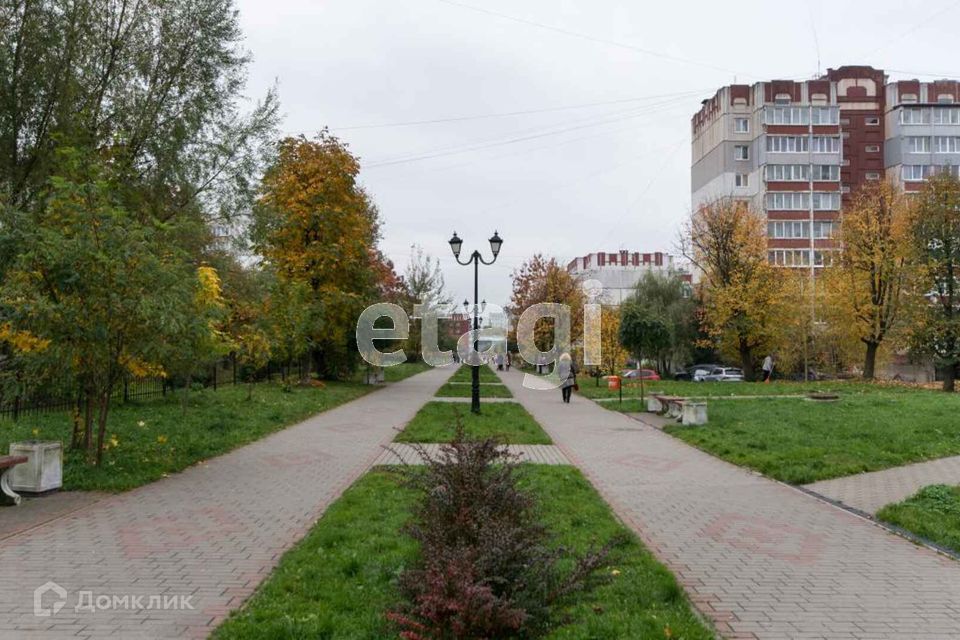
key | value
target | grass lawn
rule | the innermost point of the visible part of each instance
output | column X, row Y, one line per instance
column 507, row 421
column 464, row 390
column 589, row 389
column 464, row 373
column 169, row 440
column 801, row 441
column 339, row 580
column 933, row 513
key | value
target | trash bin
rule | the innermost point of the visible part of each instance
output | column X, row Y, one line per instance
column 613, row 382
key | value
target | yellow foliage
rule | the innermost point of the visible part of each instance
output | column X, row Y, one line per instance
column 22, row 341
column 209, row 290
column 140, row 369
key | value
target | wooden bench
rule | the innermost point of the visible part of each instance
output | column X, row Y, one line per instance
column 6, row 464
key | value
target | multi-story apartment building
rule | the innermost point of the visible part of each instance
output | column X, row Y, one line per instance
column 922, row 123
column 620, row 271
column 795, row 150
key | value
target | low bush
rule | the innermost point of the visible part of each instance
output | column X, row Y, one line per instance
column 486, row 566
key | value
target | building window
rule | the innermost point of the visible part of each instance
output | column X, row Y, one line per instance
column 914, row 172
column 918, row 144
column 788, row 200
column 786, row 144
column 742, row 180
column 826, row 201
column 741, row 125
column 844, row 122
column 914, row 115
column 789, row 257
column 945, row 98
column 788, row 229
column 946, row 116
column 826, row 172
column 786, row 115
column 823, row 258
column 872, row 148
column 825, row 115
column 825, row 144
column 823, row 230
column 946, row 144
column 872, row 122
column 782, row 98
column 871, row 175
column 787, row 172
column 741, row 152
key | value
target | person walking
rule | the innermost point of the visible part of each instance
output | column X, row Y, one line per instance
column 567, row 372
column 508, row 361
column 541, row 363
column 499, row 362
column 767, row 368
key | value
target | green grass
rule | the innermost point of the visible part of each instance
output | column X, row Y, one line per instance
column 933, row 513
column 464, row 390
column 169, row 440
column 721, row 389
column 507, row 421
column 800, row 441
column 464, row 373
column 395, row 373
column 339, row 581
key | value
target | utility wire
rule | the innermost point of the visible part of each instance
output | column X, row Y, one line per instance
column 591, row 38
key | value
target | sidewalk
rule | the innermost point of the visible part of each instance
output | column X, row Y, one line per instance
column 761, row 559
column 869, row 492
column 209, row 535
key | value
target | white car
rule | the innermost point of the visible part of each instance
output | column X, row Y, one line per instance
column 722, row 374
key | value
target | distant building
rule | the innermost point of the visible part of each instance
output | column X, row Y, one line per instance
column 798, row 149
column 620, row 271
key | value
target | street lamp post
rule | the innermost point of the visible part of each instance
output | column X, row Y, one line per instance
column 456, row 244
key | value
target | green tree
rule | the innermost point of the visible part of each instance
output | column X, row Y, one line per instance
column 105, row 289
column 670, row 297
column 642, row 332
column 935, row 233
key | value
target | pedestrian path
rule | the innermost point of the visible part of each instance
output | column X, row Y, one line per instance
column 34, row 512
column 171, row 559
column 761, row 559
column 869, row 492
column 401, row 453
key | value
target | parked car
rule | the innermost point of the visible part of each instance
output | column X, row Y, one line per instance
column 640, row 374
column 722, row 374
column 691, row 371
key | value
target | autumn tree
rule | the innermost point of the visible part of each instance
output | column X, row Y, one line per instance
column 424, row 285
column 315, row 225
column 935, row 238
column 612, row 354
column 867, row 283
column 725, row 239
column 540, row 280
column 643, row 332
column 105, row 289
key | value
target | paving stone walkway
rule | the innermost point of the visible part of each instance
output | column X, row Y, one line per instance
column 761, row 559
column 399, row 452
column 209, row 535
column 869, row 492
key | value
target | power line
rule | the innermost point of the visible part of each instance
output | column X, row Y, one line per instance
column 483, row 116
column 591, row 38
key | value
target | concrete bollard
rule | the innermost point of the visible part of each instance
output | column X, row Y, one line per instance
column 694, row 413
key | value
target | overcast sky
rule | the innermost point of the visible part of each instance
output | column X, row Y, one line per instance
column 600, row 160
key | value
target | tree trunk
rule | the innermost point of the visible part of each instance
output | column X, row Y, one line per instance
column 76, row 439
column 746, row 359
column 949, row 377
column 185, row 396
column 870, row 360
column 88, row 422
column 102, row 424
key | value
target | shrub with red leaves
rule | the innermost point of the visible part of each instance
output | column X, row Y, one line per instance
column 486, row 568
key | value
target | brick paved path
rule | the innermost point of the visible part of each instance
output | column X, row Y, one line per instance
column 535, row 453
column 870, row 491
column 763, row 560
column 212, row 532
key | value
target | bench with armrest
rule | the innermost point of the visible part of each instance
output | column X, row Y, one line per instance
column 6, row 464
column 683, row 409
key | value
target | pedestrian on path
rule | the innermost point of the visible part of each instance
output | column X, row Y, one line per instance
column 768, row 368
column 541, row 363
column 499, row 362
column 508, row 361
column 567, row 371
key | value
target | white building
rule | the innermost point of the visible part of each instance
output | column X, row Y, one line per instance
column 620, row 271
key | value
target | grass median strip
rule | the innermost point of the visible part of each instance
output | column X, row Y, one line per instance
column 509, row 422
column 932, row 513
column 464, row 390
column 465, row 373
column 733, row 389
column 800, row 441
column 340, row 580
